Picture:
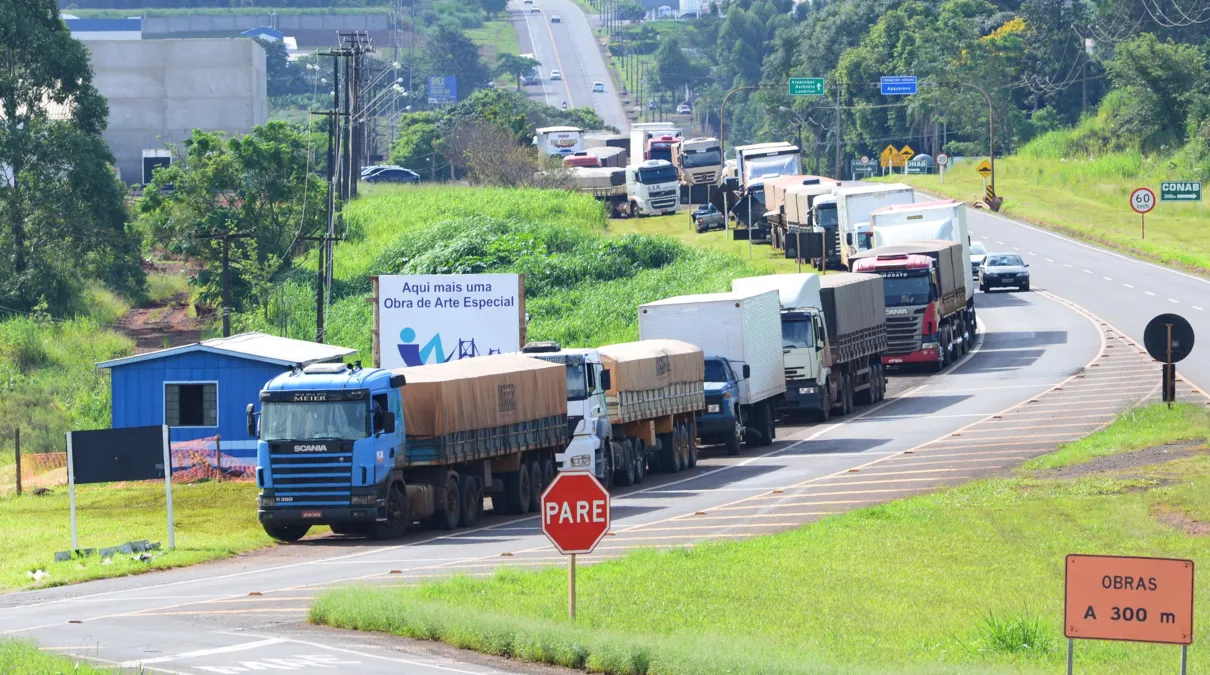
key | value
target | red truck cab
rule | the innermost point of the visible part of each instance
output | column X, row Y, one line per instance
column 913, row 315
column 660, row 147
column 581, row 159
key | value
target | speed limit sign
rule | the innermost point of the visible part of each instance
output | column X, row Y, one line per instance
column 1142, row 200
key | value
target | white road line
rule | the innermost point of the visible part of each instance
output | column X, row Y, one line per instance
column 368, row 655
column 1128, row 285
column 1150, row 293
column 1049, row 260
column 1087, row 271
column 999, row 242
column 1016, row 249
column 1107, row 278
column 1066, row 265
column 1176, row 301
column 1197, row 308
column 204, row 652
column 1031, row 253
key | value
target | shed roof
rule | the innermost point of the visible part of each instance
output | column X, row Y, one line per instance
column 254, row 346
column 264, row 31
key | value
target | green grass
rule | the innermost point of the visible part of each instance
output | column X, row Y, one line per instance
column 218, row 11
column 1088, row 198
column 969, row 579
column 1134, row 430
column 760, row 256
column 582, row 287
column 21, row 657
column 103, row 305
column 495, row 38
column 49, row 383
column 213, row 520
column 165, row 286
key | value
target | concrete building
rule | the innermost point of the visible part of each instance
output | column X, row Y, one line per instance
column 159, row 91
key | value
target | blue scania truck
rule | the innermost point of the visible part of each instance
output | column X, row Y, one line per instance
column 372, row 451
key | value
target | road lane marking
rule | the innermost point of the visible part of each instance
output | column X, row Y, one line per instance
column 1066, row 265
column 974, row 458
column 1197, row 308
column 1049, row 260
column 1107, row 278
column 1150, row 293
column 242, row 647
column 1128, row 285
column 1088, row 271
column 369, row 655
column 1016, row 249
column 1176, row 301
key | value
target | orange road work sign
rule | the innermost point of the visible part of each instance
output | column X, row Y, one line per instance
column 1125, row 598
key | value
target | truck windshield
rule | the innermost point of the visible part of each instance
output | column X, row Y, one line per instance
column 329, row 420
column 658, row 174
column 827, row 216
column 711, row 157
column 797, row 334
column 577, row 385
column 780, row 165
column 906, row 291
column 661, row 151
column 715, row 371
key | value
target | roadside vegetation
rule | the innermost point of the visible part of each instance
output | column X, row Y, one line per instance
column 21, row 656
column 968, row 579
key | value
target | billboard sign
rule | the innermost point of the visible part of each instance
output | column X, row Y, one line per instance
column 434, row 318
column 443, row 90
column 898, row 85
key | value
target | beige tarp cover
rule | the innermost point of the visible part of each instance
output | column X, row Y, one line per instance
column 480, row 393
column 651, row 364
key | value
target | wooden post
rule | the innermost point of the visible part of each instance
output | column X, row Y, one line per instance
column 571, row 586
column 521, row 306
column 375, row 338
column 16, row 444
column 1170, row 374
column 218, row 457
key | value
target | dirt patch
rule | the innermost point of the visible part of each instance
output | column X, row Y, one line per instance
column 163, row 324
column 1159, row 454
column 1178, row 519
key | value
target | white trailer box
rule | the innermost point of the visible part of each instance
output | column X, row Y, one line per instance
column 943, row 220
column 853, row 207
column 794, row 291
column 559, row 140
column 744, row 328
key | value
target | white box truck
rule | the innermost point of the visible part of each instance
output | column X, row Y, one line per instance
column 740, row 334
column 559, row 141
column 853, row 207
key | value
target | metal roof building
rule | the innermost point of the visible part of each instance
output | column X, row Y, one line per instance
column 201, row 390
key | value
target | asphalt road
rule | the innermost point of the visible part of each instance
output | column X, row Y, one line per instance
column 248, row 614
column 1119, row 289
column 570, row 47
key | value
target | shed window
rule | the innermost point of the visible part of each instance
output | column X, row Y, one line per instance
column 191, row 404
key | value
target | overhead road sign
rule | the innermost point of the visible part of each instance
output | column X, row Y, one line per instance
column 1178, row 191
column 898, row 85
column 806, row 86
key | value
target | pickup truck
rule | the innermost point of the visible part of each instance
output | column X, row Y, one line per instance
column 707, row 217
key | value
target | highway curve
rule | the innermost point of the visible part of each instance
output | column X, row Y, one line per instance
column 251, row 610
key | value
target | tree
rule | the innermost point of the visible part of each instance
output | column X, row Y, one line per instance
column 672, row 70
column 414, row 147
column 451, row 53
column 282, row 76
column 1157, row 84
column 259, row 184
column 517, row 66
column 628, row 10
column 493, row 7
column 63, row 211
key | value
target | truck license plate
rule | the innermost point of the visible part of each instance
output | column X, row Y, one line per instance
column 711, row 408
column 806, row 390
column 312, row 514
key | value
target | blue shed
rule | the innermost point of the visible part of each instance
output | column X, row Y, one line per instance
column 201, row 390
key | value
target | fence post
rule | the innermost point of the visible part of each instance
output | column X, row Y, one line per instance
column 218, row 458
column 17, row 450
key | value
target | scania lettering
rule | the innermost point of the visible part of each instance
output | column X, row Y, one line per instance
column 340, row 445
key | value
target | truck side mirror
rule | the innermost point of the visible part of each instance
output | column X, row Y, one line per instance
column 848, row 238
column 606, row 380
column 747, row 371
column 388, row 422
column 251, row 415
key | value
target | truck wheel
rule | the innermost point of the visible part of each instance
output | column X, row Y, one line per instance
column 449, row 506
column 470, row 495
column 770, row 428
column 682, row 435
column 397, row 520
column 733, row 440
column 516, row 492
column 754, row 435
column 669, row 452
column 624, row 476
column 640, row 461
column 846, row 395
column 286, row 533
column 548, row 473
column 690, row 444
column 536, row 486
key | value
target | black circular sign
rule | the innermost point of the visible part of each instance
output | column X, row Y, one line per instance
column 1155, row 337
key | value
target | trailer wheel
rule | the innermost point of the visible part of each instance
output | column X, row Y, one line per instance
column 548, row 473
column 516, row 491
column 470, row 495
column 682, row 443
column 286, row 533
column 397, row 520
column 536, row 486
column 690, row 444
column 669, row 452
column 625, row 475
column 846, row 394
column 640, row 461
column 449, row 507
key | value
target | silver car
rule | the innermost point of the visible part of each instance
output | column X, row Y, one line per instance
column 1003, row 269
column 978, row 253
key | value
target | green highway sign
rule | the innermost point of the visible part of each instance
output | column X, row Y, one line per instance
column 861, row 169
column 918, row 166
column 1181, row 192
column 806, row 86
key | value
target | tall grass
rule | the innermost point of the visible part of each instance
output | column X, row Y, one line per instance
column 49, row 383
column 582, row 288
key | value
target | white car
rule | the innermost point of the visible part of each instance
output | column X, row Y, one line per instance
column 683, row 109
column 535, row 9
column 555, row 18
column 556, row 75
column 528, row 2
column 978, row 254
column 598, row 87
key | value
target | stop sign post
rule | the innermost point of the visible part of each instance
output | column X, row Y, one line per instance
column 575, row 518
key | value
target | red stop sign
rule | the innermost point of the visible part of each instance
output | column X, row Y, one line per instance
column 575, row 512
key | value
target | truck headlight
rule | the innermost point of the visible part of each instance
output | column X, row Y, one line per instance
column 265, row 502
column 363, row 500
column 581, row 460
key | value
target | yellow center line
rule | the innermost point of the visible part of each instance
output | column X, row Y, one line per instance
column 747, row 517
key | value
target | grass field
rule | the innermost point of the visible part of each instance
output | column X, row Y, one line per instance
column 495, row 38
column 965, row 580
column 760, row 256
column 20, row 657
column 213, row 520
column 1089, row 199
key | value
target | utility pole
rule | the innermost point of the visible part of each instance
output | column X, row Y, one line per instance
column 325, row 245
column 226, row 239
column 837, row 174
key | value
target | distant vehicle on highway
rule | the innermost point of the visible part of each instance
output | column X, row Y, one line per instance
column 535, row 9
column 367, row 170
column 978, row 253
column 556, row 75
column 529, row 2
column 555, row 18
column 708, row 217
column 684, row 109
column 392, row 174
column 598, row 87
column 1003, row 269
